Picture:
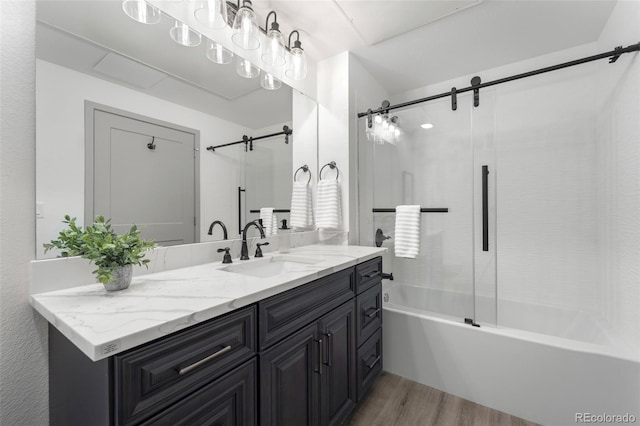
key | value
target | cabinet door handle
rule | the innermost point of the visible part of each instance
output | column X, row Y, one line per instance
column 372, row 312
column 375, row 361
column 329, row 348
column 320, row 362
column 371, row 275
column 197, row 364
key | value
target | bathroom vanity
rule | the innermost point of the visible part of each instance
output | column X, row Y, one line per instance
column 294, row 348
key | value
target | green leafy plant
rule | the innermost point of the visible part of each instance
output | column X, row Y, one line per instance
column 101, row 245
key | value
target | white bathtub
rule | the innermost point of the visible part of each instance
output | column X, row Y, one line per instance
column 543, row 378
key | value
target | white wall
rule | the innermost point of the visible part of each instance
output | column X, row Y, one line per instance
column 60, row 96
column 618, row 176
column 305, row 139
column 23, row 333
column 333, row 131
column 344, row 88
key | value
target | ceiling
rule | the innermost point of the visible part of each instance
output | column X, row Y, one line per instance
column 496, row 33
column 404, row 44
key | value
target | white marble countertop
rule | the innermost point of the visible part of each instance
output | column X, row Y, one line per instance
column 104, row 323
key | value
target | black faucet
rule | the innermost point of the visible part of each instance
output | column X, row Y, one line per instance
column 244, row 251
column 224, row 228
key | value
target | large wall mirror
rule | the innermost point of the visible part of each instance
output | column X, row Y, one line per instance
column 94, row 65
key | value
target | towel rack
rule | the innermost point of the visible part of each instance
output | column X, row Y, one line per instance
column 422, row 210
column 304, row 169
column 331, row 165
column 274, row 210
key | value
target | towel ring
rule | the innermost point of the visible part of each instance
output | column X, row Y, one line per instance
column 331, row 165
column 305, row 169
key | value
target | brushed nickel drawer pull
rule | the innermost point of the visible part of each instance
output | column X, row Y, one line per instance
column 371, row 275
column 372, row 313
column 375, row 361
column 203, row 360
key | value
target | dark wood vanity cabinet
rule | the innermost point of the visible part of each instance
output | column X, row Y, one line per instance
column 310, row 377
column 302, row 357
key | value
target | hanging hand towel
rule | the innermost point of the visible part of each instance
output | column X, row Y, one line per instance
column 328, row 206
column 269, row 221
column 301, row 213
column 407, row 238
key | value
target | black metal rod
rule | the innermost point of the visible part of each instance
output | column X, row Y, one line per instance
column 285, row 131
column 611, row 54
column 274, row 210
column 485, row 208
column 422, row 210
column 240, row 191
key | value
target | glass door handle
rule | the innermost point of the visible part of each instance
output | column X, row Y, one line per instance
column 485, row 208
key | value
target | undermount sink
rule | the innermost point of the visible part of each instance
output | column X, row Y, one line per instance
column 271, row 266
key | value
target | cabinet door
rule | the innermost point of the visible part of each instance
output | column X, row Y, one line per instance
column 338, row 378
column 289, row 381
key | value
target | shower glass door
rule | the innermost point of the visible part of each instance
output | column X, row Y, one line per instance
column 429, row 162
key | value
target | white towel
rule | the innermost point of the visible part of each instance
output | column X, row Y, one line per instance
column 301, row 212
column 407, row 238
column 269, row 221
column 328, row 205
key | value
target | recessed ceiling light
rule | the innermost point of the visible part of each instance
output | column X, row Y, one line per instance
column 427, row 126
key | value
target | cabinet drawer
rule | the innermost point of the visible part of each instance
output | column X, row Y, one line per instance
column 150, row 378
column 283, row 314
column 369, row 313
column 368, row 274
column 229, row 401
column 369, row 362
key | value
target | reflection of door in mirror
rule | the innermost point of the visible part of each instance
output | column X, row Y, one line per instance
column 141, row 171
column 268, row 179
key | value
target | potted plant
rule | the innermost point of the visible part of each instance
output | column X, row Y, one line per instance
column 113, row 254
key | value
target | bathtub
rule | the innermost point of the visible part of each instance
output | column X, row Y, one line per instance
column 546, row 379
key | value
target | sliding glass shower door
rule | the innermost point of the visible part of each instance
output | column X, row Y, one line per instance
column 435, row 160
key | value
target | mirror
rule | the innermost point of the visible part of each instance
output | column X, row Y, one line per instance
column 91, row 51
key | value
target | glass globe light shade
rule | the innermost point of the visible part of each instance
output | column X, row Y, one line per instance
column 218, row 54
column 297, row 69
column 182, row 34
column 274, row 52
column 246, row 69
column 211, row 13
column 141, row 11
column 245, row 28
column 269, row 82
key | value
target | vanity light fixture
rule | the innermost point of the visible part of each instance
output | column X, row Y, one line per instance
column 297, row 69
column 141, row 11
column 182, row 34
column 269, row 82
column 218, row 54
column 211, row 13
column 246, row 33
column 274, row 52
column 246, row 69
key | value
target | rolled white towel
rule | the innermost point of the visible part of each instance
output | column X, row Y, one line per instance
column 328, row 205
column 301, row 210
column 407, row 235
column 269, row 221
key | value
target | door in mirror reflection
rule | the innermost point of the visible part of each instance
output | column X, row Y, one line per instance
column 143, row 173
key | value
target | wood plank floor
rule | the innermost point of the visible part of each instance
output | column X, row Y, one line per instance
column 394, row 400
